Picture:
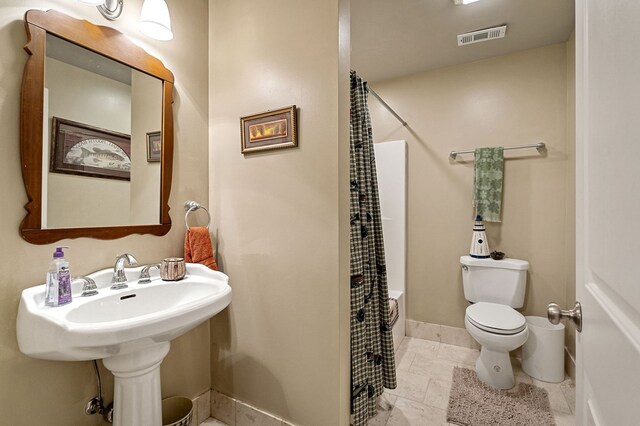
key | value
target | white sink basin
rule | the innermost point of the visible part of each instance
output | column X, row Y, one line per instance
column 116, row 322
column 129, row 329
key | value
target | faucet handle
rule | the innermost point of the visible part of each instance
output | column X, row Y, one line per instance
column 89, row 286
column 145, row 276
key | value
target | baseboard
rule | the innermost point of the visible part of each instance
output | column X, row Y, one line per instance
column 201, row 408
column 440, row 333
column 235, row 412
column 570, row 364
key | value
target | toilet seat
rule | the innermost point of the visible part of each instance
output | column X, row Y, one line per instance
column 495, row 318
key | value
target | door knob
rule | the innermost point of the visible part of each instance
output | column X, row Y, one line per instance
column 555, row 314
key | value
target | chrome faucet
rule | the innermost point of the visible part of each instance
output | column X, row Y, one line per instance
column 119, row 279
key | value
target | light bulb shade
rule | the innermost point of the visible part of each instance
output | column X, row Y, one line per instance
column 92, row 2
column 155, row 21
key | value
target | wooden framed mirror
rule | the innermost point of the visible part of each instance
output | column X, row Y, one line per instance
column 96, row 133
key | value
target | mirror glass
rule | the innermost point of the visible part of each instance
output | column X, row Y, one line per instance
column 101, row 141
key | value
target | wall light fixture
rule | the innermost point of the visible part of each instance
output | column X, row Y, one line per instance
column 155, row 21
column 110, row 9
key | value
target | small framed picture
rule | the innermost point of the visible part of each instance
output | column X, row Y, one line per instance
column 85, row 150
column 154, row 146
column 269, row 130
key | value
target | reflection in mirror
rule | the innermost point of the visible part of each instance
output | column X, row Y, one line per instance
column 98, row 165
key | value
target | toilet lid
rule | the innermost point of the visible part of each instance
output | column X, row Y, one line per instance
column 496, row 318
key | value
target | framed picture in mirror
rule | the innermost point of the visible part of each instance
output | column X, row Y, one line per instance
column 269, row 130
column 81, row 149
column 154, row 146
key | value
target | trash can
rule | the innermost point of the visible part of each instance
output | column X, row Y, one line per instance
column 177, row 411
column 543, row 352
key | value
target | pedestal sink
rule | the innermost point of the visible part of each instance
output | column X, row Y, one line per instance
column 129, row 329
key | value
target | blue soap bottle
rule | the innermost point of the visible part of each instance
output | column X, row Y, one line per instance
column 58, row 284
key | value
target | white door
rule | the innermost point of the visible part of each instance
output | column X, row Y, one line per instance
column 608, row 211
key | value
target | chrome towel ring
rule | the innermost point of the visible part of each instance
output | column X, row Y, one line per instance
column 190, row 206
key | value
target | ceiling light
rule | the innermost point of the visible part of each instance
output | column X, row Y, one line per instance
column 461, row 2
column 155, row 21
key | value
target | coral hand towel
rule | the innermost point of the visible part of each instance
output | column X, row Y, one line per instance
column 197, row 247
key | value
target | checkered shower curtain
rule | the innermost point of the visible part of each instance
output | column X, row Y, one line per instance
column 372, row 359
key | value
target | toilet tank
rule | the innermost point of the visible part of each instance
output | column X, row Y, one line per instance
column 497, row 281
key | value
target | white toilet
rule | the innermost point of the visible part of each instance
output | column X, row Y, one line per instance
column 495, row 287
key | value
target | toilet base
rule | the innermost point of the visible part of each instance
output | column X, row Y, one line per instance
column 494, row 369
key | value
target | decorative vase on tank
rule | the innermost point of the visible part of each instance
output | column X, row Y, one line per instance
column 479, row 246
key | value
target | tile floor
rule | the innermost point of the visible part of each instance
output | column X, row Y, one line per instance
column 424, row 370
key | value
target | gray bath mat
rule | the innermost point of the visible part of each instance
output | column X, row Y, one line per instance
column 475, row 404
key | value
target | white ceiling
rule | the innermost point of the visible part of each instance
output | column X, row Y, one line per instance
column 394, row 38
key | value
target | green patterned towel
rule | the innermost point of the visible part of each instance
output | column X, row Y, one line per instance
column 487, row 183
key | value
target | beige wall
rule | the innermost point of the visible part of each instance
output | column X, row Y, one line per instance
column 54, row 393
column 515, row 99
column 282, row 216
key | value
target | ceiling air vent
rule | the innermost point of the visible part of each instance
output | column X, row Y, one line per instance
column 482, row 35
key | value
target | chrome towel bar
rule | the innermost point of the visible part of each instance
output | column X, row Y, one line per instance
column 540, row 146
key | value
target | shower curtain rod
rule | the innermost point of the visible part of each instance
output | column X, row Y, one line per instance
column 540, row 146
column 384, row 104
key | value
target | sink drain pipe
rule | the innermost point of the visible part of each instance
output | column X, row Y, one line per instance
column 96, row 404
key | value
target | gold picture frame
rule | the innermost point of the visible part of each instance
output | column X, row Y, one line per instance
column 274, row 129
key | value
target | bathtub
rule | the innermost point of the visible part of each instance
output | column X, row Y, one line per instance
column 398, row 327
column 391, row 170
